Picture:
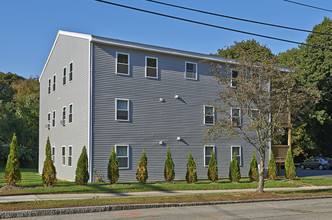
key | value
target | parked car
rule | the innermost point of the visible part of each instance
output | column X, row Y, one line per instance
column 317, row 162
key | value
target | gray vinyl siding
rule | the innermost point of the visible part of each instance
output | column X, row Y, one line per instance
column 152, row 121
column 66, row 50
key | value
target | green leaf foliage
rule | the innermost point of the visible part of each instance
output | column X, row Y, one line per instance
column 169, row 172
column 142, row 170
column 113, row 168
column 272, row 172
column 191, row 175
column 289, row 166
column 234, row 170
column 12, row 171
column 253, row 169
column 82, row 172
column 213, row 168
column 49, row 172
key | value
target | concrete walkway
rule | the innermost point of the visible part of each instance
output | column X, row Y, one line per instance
column 39, row 197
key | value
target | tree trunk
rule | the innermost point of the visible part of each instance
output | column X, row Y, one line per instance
column 260, row 188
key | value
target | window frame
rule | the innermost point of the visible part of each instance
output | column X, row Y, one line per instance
column 116, row 109
column 146, row 67
column 49, row 86
column 213, row 115
column 53, row 118
column 116, row 63
column 204, row 152
column 64, row 76
column 53, row 154
column 49, row 117
column 185, row 72
column 64, row 108
column 63, row 154
column 54, row 83
column 71, row 71
column 233, row 86
column 70, row 156
column 240, row 117
column 70, row 113
column 116, row 148
column 240, row 153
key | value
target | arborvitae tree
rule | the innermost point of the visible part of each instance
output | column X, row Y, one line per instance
column 289, row 166
column 169, row 167
column 49, row 172
column 272, row 172
column 113, row 167
column 213, row 168
column 191, row 175
column 142, row 170
column 12, row 171
column 253, row 170
column 234, row 170
column 82, row 172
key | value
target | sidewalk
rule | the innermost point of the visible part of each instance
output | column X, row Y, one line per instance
column 39, row 197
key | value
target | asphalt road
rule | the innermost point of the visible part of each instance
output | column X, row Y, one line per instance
column 284, row 210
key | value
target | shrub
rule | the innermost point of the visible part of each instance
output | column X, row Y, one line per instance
column 234, row 170
column 253, row 170
column 12, row 171
column 49, row 172
column 289, row 166
column 142, row 170
column 82, row 173
column 169, row 167
column 113, row 168
column 272, row 172
column 191, row 175
column 98, row 176
column 213, row 168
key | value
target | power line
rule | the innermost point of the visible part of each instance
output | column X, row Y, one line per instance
column 211, row 25
column 310, row 6
column 236, row 18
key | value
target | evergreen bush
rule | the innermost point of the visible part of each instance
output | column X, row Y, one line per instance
column 82, row 172
column 289, row 166
column 272, row 172
column 49, row 172
column 169, row 172
column 142, row 170
column 234, row 170
column 12, row 171
column 253, row 170
column 191, row 175
column 113, row 168
column 213, row 168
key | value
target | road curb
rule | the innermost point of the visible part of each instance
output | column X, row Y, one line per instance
column 92, row 209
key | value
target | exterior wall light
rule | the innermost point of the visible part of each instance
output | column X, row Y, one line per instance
column 178, row 138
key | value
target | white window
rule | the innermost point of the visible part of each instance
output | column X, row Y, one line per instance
column 70, row 120
column 236, row 117
column 254, row 114
column 208, row 115
column 191, row 70
column 151, row 67
column 54, row 82
column 71, row 69
column 64, row 155
column 208, row 153
column 122, row 154
column 53, row 119
column 237, row 150
column 49, row 86
column 122, row 63
column 70, row 155
column 63, row 121
column 122, row 109
column 53, row 154
column 49, row 120
column 64, row 77
column 234, row 78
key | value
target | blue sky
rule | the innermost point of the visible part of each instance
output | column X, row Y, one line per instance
column 28, row 28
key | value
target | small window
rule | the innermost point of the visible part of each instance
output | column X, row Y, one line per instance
column 49, row 86
column 208, row 153
column 53, row 119
column 254, row 114
column 151, row 67
column 64, row 76
column 49, row 120
column 70, row 155
column 71, row 69
column 236, row 117
column 64, row 116
column 191, row 70
column 70, row 113
column 234, row 78
column 237, row 150
column 122, row 154
column 53, row 154
column 208, row 115
column 54, row 82
column 122, row 63
column 64, row 155
column 122, row 109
